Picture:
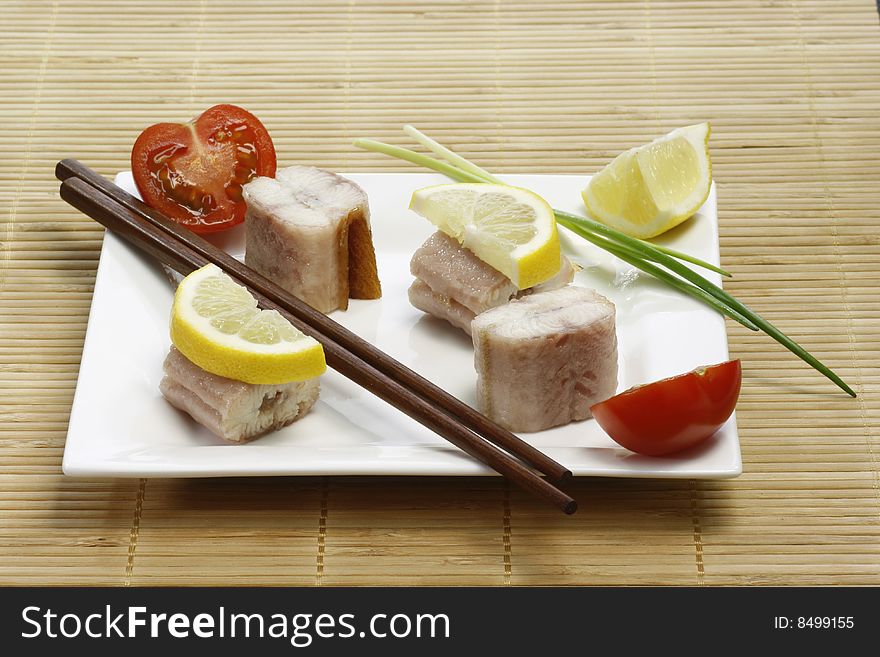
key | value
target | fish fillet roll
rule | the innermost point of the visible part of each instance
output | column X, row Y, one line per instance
column 452, row 283
column 234, row 410
column 421, row 296
column 308, row 230
column 544, row 359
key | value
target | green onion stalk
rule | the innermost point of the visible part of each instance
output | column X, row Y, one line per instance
column 661, row 262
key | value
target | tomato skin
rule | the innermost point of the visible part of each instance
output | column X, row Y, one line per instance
column 672, row 414
column 193, row 172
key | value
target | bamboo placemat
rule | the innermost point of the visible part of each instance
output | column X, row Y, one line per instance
column 793, row 93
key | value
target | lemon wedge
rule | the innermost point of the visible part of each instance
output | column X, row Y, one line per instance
column 511, row 229
column 216, row 324
column 649, row 189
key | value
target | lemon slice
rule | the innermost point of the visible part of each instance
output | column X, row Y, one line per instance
column 509, row 228
column 216, row 324
column 649, row 189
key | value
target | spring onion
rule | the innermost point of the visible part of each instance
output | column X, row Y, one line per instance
column 661, row 262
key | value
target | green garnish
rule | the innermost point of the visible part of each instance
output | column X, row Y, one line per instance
column 663, row 263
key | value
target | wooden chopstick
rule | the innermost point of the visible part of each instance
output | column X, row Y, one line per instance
column 350, row 341
column 165, row 246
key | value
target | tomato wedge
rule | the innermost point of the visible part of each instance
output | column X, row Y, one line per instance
column 673, row 414
column 193, row 172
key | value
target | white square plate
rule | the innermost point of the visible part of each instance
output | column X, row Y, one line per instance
column 121, row 426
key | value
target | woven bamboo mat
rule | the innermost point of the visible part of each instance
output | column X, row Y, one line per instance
column 793, row 91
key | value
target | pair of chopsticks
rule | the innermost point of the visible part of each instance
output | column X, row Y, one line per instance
column 358, row 360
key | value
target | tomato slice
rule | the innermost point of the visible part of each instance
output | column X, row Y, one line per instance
column 193, row 172
column 673, row 414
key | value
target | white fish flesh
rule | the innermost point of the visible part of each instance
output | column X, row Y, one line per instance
column 459, row 283
column 425, row 299
column 544, row 359
column 453, row 271
column 308, row 230
column 234, row 410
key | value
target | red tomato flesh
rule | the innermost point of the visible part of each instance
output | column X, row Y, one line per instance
column 673, row 414
column 193, row 172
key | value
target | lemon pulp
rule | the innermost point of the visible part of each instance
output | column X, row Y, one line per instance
column 511, row 229
column 647, row 190
column 215, row 323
